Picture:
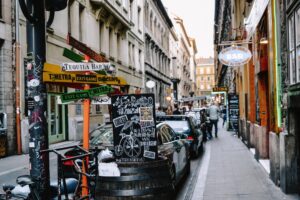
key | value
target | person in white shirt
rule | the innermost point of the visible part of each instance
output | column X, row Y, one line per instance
column 213, row 112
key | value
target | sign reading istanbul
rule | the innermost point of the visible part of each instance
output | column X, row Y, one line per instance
column 79, row 67
column 235, row 56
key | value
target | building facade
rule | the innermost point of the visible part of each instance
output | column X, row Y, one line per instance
column 267, row 84
column 205, row 76
column 184, row 56
column 157, row 29
column 113, row 30
column 7, row 74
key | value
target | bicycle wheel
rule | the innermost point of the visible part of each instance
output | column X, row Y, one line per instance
column 132, row 147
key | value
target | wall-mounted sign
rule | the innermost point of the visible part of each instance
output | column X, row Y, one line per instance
column 233, row 108
column 72, row 55
column 134, row 129
column 79, row 67
column 220, row 89
column 235, row 56
column 85, row 49
column 84, row 94
column 96, row 79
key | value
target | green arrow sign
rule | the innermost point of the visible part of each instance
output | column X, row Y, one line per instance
column 74, row 96
column 100, row 90
column 85, row 94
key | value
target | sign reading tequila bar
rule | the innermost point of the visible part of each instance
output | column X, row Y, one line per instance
column 235, row 56
column 78, row 67
column 96, row 79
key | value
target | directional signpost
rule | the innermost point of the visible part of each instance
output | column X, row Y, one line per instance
column 82, row 74
column 85, row 94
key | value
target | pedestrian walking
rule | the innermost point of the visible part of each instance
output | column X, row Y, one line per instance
column 203, row 124
column 224, row 115
column 176, row 110
column 213, row 112
column 169, row 110
column 159, row 112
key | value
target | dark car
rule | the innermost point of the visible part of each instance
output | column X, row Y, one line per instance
column 170, row 146
column 186, row 128
column 176, row 149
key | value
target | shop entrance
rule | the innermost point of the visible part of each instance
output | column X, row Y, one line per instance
column 56, row 120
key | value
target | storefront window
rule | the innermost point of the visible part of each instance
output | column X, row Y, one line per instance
column 297, row 25
column 292, row 65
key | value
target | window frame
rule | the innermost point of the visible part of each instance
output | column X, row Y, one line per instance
column 293, row 46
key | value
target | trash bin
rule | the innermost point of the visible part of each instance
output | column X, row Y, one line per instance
column 3, row 135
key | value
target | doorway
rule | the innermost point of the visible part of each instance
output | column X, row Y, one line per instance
column 56, row 120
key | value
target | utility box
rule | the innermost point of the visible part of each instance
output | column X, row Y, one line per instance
column 3, row 135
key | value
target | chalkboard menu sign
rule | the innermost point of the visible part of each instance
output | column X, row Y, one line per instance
column 233, row 107
column 133, row 118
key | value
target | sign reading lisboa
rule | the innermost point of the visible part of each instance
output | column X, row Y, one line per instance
column 235, row 56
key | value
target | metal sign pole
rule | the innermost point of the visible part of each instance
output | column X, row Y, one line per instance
column 37, row 98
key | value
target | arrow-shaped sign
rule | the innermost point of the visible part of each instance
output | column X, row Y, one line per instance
column 85, row 94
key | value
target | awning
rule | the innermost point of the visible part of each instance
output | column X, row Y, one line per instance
column 256, row 13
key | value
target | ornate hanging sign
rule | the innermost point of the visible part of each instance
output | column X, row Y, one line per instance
column 235, row 56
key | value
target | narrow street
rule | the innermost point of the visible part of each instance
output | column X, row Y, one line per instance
column 225, row 170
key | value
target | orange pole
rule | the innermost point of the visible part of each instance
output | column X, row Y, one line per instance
column 86, row 127
column 18, row 118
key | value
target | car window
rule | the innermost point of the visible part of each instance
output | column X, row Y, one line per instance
column 172, row 133
column 165, row 134
column 102, row 137
column 179, row 126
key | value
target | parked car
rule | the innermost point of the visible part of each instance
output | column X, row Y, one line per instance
column 186, row 128
column 170, row 146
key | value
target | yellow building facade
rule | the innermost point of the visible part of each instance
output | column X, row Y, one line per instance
column 205, row 76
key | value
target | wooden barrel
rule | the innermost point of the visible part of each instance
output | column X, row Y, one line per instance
column 147, row 180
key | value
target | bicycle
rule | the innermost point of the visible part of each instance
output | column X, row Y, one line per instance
column 65, row 187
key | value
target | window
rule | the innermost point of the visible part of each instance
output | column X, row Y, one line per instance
column 81, row 24
column 124, row 3
column 208, row 70
column 294, row 46
column 208, row 87
column 201, row 78
column 139, row 18
column 208, row 78
column 201, row 71
column 1, row 9
column 201, row 87
column 130, row 10
column 111, row 40
column 298, row 43
column 98, row 109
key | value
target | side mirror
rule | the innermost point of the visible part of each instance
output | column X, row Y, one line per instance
column 56, row 5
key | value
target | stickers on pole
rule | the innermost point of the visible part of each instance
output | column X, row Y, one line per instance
column 134, row 127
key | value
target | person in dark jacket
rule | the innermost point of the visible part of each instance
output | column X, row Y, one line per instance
column 176, row 110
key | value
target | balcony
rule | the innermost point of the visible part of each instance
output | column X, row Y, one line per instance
column 106, row 8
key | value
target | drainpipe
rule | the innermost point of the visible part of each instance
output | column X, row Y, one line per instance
column 17, row 62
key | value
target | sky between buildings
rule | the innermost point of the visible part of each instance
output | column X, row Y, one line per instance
column 198, row 18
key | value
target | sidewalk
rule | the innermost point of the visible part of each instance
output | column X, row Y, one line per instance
column 234, row 174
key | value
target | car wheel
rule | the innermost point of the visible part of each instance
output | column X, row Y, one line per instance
column 188, row 167
column 195, row 152
column 201, row 148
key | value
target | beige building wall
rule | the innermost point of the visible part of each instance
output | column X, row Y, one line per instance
column 205, row 76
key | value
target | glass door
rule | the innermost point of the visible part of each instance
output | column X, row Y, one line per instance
column 56, row 120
